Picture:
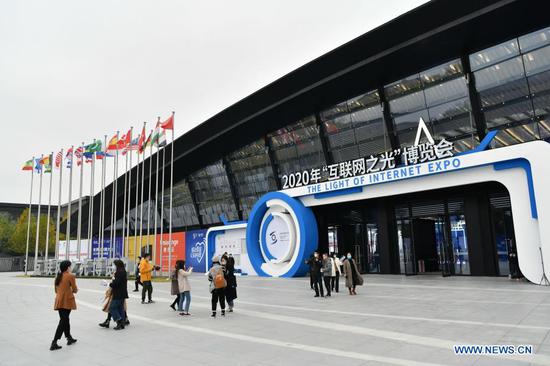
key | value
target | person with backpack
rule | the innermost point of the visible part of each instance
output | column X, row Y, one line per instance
column 231, row 290
column 216, row 276
column 65, row 288
column 184, row 287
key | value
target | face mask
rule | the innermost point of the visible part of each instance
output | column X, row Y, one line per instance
column 349, row 257
column 316, row 255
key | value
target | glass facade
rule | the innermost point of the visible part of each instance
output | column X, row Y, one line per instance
column 297, row 147
column 513, row 83
column 183, row 209
column 252, row 174
column 356, row 128
column 440, row 97
column 212, row 194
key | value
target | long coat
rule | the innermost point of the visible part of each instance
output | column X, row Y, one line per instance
column 231, row 279
column 64, row 293
column 351, row 272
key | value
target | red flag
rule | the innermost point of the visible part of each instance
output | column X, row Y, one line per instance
column 113, row 143
column 141, row 140
column 169, row 123
column 58, row 159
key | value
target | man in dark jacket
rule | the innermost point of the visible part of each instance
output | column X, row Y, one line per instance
column 315, row 268
column 138, row 280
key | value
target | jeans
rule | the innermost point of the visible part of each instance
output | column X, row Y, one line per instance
column 64, row 325
column 318, row 284
column 218, row 295
column 147, row 287
column 185, row 296
column 117, row 309
column 327, row 280
column 335, row 282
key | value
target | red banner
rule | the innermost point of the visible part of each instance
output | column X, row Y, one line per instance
column 178, row 249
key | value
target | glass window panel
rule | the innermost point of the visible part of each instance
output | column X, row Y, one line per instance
column 534, row 40
column 539, row 83
column 494, row 55
column 501, row 94
column 499, row 74
column 452, row 119
column 341, row 139
column 509, row 113
column 409, row 103
column 444, row 92
column 516, row 135
column 544, row 128
column 537, row 61
column 441, row 73
column 403, row 87
column 182, row 203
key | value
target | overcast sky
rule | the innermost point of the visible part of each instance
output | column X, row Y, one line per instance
column 72, row 71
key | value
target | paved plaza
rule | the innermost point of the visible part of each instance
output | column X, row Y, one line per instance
column 394, row 320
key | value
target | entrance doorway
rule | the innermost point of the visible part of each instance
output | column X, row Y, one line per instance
column 432, row 239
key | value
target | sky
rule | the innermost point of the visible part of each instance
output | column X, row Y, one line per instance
column 72, row 71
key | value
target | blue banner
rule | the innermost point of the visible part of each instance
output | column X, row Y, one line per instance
column 107, row 247
column 195, row 250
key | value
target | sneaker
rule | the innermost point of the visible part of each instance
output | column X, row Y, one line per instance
column 223, row 312
column 143, row 301
column 230, row 310
column 135, row 291
column 182, row 314
column 71, row 341
column 213, row 315
column 173, row 307
column 316, row 296
column 187, row 314
column 54, row 346
column 150, row 302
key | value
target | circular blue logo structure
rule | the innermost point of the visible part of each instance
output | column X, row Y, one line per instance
column 281, row 234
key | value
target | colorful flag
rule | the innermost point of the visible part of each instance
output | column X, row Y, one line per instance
column 46, row 162
column 79, row 154
column 38, row 166
column 113, row 143
column 132, row 146
column 147, row 142
column 161, row 140
column 141, row 140
column 169, row 123
column 58, row 160
column 124, row 140
column 28, row 165
column 93, row 147
column 69, row 157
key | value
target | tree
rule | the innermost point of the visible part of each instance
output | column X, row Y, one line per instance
column 18, row 241
column 7, row 226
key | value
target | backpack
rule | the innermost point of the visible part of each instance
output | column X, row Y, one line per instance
column 219, row 279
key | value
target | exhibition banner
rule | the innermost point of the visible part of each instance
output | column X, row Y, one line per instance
column 195, row 251
column 62, row 250
column 107, row 248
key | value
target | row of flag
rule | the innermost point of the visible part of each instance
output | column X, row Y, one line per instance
column 156, row 138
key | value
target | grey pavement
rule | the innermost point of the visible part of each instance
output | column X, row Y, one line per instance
column 394, row 320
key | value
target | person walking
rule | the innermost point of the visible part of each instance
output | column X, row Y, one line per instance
column 138, row 280
column 145, row 271
column 107, row 305
column 353, row 277
column 316, row 268
column 329, row 272
column 216, row 276
column 184, row 287
column 65, row 288
column 119, row 286
column 174, row 287
column 310, row 262
column 231, row 279
column 335, row 281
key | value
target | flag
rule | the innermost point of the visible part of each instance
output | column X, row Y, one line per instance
column 169, row 123
column 124, row 140
column 58, row 160
column 28, row 165
column 113, row 143
column 38, row 166
column 156, row 135
column 79, row 154
column 161, row 141
column 69, row 157
column 131, row 146
column 102, row 154
column 93, row 147
column 141, row 140
column 148, row 142
column 46, row 162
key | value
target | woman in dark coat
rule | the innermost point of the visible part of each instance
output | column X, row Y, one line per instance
column 231, row 289
column 119, row 286
column 353, row 277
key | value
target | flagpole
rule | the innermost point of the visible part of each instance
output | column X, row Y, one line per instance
column 29, row 220
column 49, row 211
column 141, row 205
column 114, row 201
column 91, row 205
column 156, row 197
column 124, row 205
column 68, row 235
column 162, row 207
column 38, row 216
column 170, row 245
column 153, row 258
column 59, row 207
column 102, row 208
column 79, row 223
column 129, row 152
column 136, row 213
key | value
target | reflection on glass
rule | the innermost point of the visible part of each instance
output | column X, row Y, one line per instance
column 459, row 244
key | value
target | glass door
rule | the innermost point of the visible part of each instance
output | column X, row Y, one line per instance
column 443, row 245
column 505, row 242
column 406, row 249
